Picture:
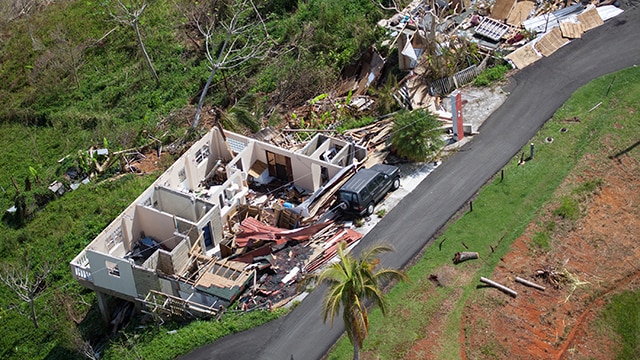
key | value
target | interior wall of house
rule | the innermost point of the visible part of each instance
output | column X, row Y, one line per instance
column 180, row 256
column 188, row 229
column 313, row 145
column 213, row 217
column 176, row 176
column 177, row 203
column 155, row 224
column 320, row 149
column 202, row 208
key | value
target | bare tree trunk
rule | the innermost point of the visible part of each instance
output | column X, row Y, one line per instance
column 234, row 52
column 144, row 50
column 196, row 119
column 34, row 318
column 214, row 68
column 356, row 351
column 464, row 256
column 26, row 284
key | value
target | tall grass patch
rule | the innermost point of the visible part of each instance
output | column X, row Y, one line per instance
column 620, row 319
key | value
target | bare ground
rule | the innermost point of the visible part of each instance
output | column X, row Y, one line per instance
column 600, row 256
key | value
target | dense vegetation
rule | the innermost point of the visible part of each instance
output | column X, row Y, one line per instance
column 74, row 76
column 417, row 135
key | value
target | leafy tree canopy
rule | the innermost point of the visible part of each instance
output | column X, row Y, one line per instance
column 417, row 135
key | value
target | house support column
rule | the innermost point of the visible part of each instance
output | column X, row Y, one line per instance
column 103, row 306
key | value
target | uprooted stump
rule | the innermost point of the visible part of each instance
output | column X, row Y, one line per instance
column 435, row 280
column 551, row 276
column 464, row 256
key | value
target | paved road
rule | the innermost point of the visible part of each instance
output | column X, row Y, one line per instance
column 539, row 90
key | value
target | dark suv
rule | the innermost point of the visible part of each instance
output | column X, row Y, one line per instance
column 359, row 194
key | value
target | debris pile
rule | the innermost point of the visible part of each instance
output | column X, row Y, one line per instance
column 524, row 31
column 551, row 276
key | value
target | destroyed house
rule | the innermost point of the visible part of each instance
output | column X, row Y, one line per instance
column 162, row 252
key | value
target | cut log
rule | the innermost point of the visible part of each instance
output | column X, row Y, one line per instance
column 529, row 283
column 464, row 256
column 499, row 286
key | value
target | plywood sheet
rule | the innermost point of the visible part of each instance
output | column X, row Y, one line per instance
column 257, row 169
column 590, row 19
column 551, row 42
column 520, row 12
column 501, row 9
column 524, row 56
column 571, row 30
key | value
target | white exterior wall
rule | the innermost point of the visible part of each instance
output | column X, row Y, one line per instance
column 123, row 283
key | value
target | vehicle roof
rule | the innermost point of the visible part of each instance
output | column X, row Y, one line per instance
column 359, row 180
column 385, row 169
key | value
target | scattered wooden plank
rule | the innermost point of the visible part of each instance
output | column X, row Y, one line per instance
column 590, row 19
column 499, row 286
column 524, row 56
column 551, row 42
column 501, row 9
column 520, row 13
column 571, row 30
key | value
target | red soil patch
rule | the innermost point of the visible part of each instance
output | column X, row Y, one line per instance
column 599, row 250
column 151, row 162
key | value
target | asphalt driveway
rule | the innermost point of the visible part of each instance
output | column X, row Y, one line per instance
column 537, row 92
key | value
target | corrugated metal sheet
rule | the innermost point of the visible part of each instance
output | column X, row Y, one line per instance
column 546, row 22
column 608, row 11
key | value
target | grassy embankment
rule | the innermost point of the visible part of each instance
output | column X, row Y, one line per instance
column 72, row 78
column 501, row 212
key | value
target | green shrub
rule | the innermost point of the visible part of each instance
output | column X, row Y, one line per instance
column 569, row 208
column 417, row 135
column 353, row 123
column 541, row 240
column 491, row 75
column 589, row 186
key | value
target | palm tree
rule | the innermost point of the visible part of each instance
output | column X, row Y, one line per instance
column 352, row 283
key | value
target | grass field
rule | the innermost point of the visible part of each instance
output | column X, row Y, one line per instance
column 501, row 212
